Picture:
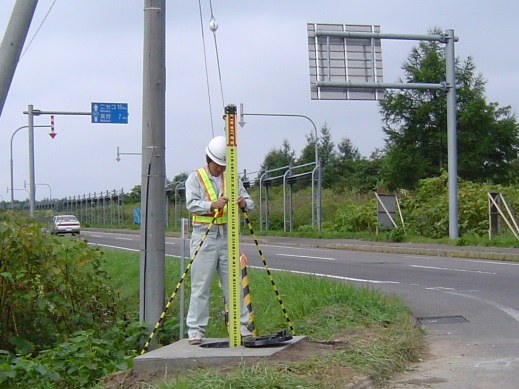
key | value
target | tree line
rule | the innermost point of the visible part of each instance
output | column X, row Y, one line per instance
column 415, row 126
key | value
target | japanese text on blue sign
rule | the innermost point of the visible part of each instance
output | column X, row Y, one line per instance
column 110, row 113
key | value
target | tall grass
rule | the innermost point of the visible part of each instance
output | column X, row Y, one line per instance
column 376, row 331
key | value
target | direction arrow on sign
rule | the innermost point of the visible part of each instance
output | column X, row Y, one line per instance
column 110, row 113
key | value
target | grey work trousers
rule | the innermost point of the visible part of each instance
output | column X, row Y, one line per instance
column 210, row 258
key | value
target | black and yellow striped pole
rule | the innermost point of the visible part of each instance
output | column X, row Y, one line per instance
column 184, row 275
column 246, row 294
column 246, row 297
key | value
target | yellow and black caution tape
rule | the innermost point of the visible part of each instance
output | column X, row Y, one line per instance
column 278, row 296
column 184, row 275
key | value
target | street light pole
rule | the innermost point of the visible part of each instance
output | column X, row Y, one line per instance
column 50, row 190
column 32, row 180
column 19, row 189
column 16, row 189
column 12, row 175
column 31, row 112
column 48, row 186
column 317, row 162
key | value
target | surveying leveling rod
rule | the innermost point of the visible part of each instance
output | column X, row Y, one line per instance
column 233, row 226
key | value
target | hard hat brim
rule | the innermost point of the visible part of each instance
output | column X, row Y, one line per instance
column 215, row 159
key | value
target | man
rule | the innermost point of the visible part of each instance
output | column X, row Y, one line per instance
column 205, row 198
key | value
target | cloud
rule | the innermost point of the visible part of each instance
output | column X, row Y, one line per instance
column 92, row 51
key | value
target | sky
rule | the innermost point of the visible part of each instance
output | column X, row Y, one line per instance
column 86, row 51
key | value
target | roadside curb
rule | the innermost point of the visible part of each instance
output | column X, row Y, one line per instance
column 430, row 249
column 474, row 254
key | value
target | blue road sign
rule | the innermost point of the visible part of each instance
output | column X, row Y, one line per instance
column 110, row 113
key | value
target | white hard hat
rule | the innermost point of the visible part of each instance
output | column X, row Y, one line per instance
column 216, row 150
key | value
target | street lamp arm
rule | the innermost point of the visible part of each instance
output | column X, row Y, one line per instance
column 11, row 161
column 317, row 163
column 50, row 190
column 290, row 115
column 282, row 114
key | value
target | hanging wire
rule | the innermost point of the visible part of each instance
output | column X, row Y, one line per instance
column 213, row 23
column 41, row 24
column 206, row 72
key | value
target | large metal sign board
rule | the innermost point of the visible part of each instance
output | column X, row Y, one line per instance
column 115, row 113
column 386, row 211
column 344, row 59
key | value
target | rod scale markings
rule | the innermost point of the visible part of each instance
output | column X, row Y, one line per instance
column 231, row 190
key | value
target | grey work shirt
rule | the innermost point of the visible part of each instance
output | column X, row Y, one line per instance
column 198, row 203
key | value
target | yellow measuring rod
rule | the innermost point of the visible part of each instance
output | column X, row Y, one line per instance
column 233, row 226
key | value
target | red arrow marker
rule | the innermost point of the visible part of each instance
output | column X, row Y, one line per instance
column 52, row 133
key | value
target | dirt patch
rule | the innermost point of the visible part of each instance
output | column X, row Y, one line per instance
column 301, row 351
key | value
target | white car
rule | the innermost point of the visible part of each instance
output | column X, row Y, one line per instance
column 65, row 224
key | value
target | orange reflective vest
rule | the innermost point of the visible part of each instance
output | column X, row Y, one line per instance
column 221, row 216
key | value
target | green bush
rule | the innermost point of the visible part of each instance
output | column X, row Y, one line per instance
column 81, row 360
column 58, row 312
column 50, row 287
column 354, row 216
column 426, row 210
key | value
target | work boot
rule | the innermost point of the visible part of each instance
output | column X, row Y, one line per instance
column 245, row 332
column 195, row 338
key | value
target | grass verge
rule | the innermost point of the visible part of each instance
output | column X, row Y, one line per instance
column 351, row 332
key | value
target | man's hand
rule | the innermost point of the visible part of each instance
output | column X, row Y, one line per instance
column 222, row 200
column 241, row 202
column 220, row 203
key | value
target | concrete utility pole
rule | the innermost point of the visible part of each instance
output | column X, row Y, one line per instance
column 12, row 44
column 153, row 172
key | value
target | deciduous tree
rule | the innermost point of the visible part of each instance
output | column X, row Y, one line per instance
column 278, row 158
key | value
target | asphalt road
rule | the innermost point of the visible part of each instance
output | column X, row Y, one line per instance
column 469, row 307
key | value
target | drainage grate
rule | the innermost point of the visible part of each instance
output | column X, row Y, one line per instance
column 441, row 320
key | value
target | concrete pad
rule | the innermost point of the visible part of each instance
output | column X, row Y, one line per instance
column 181, row 355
